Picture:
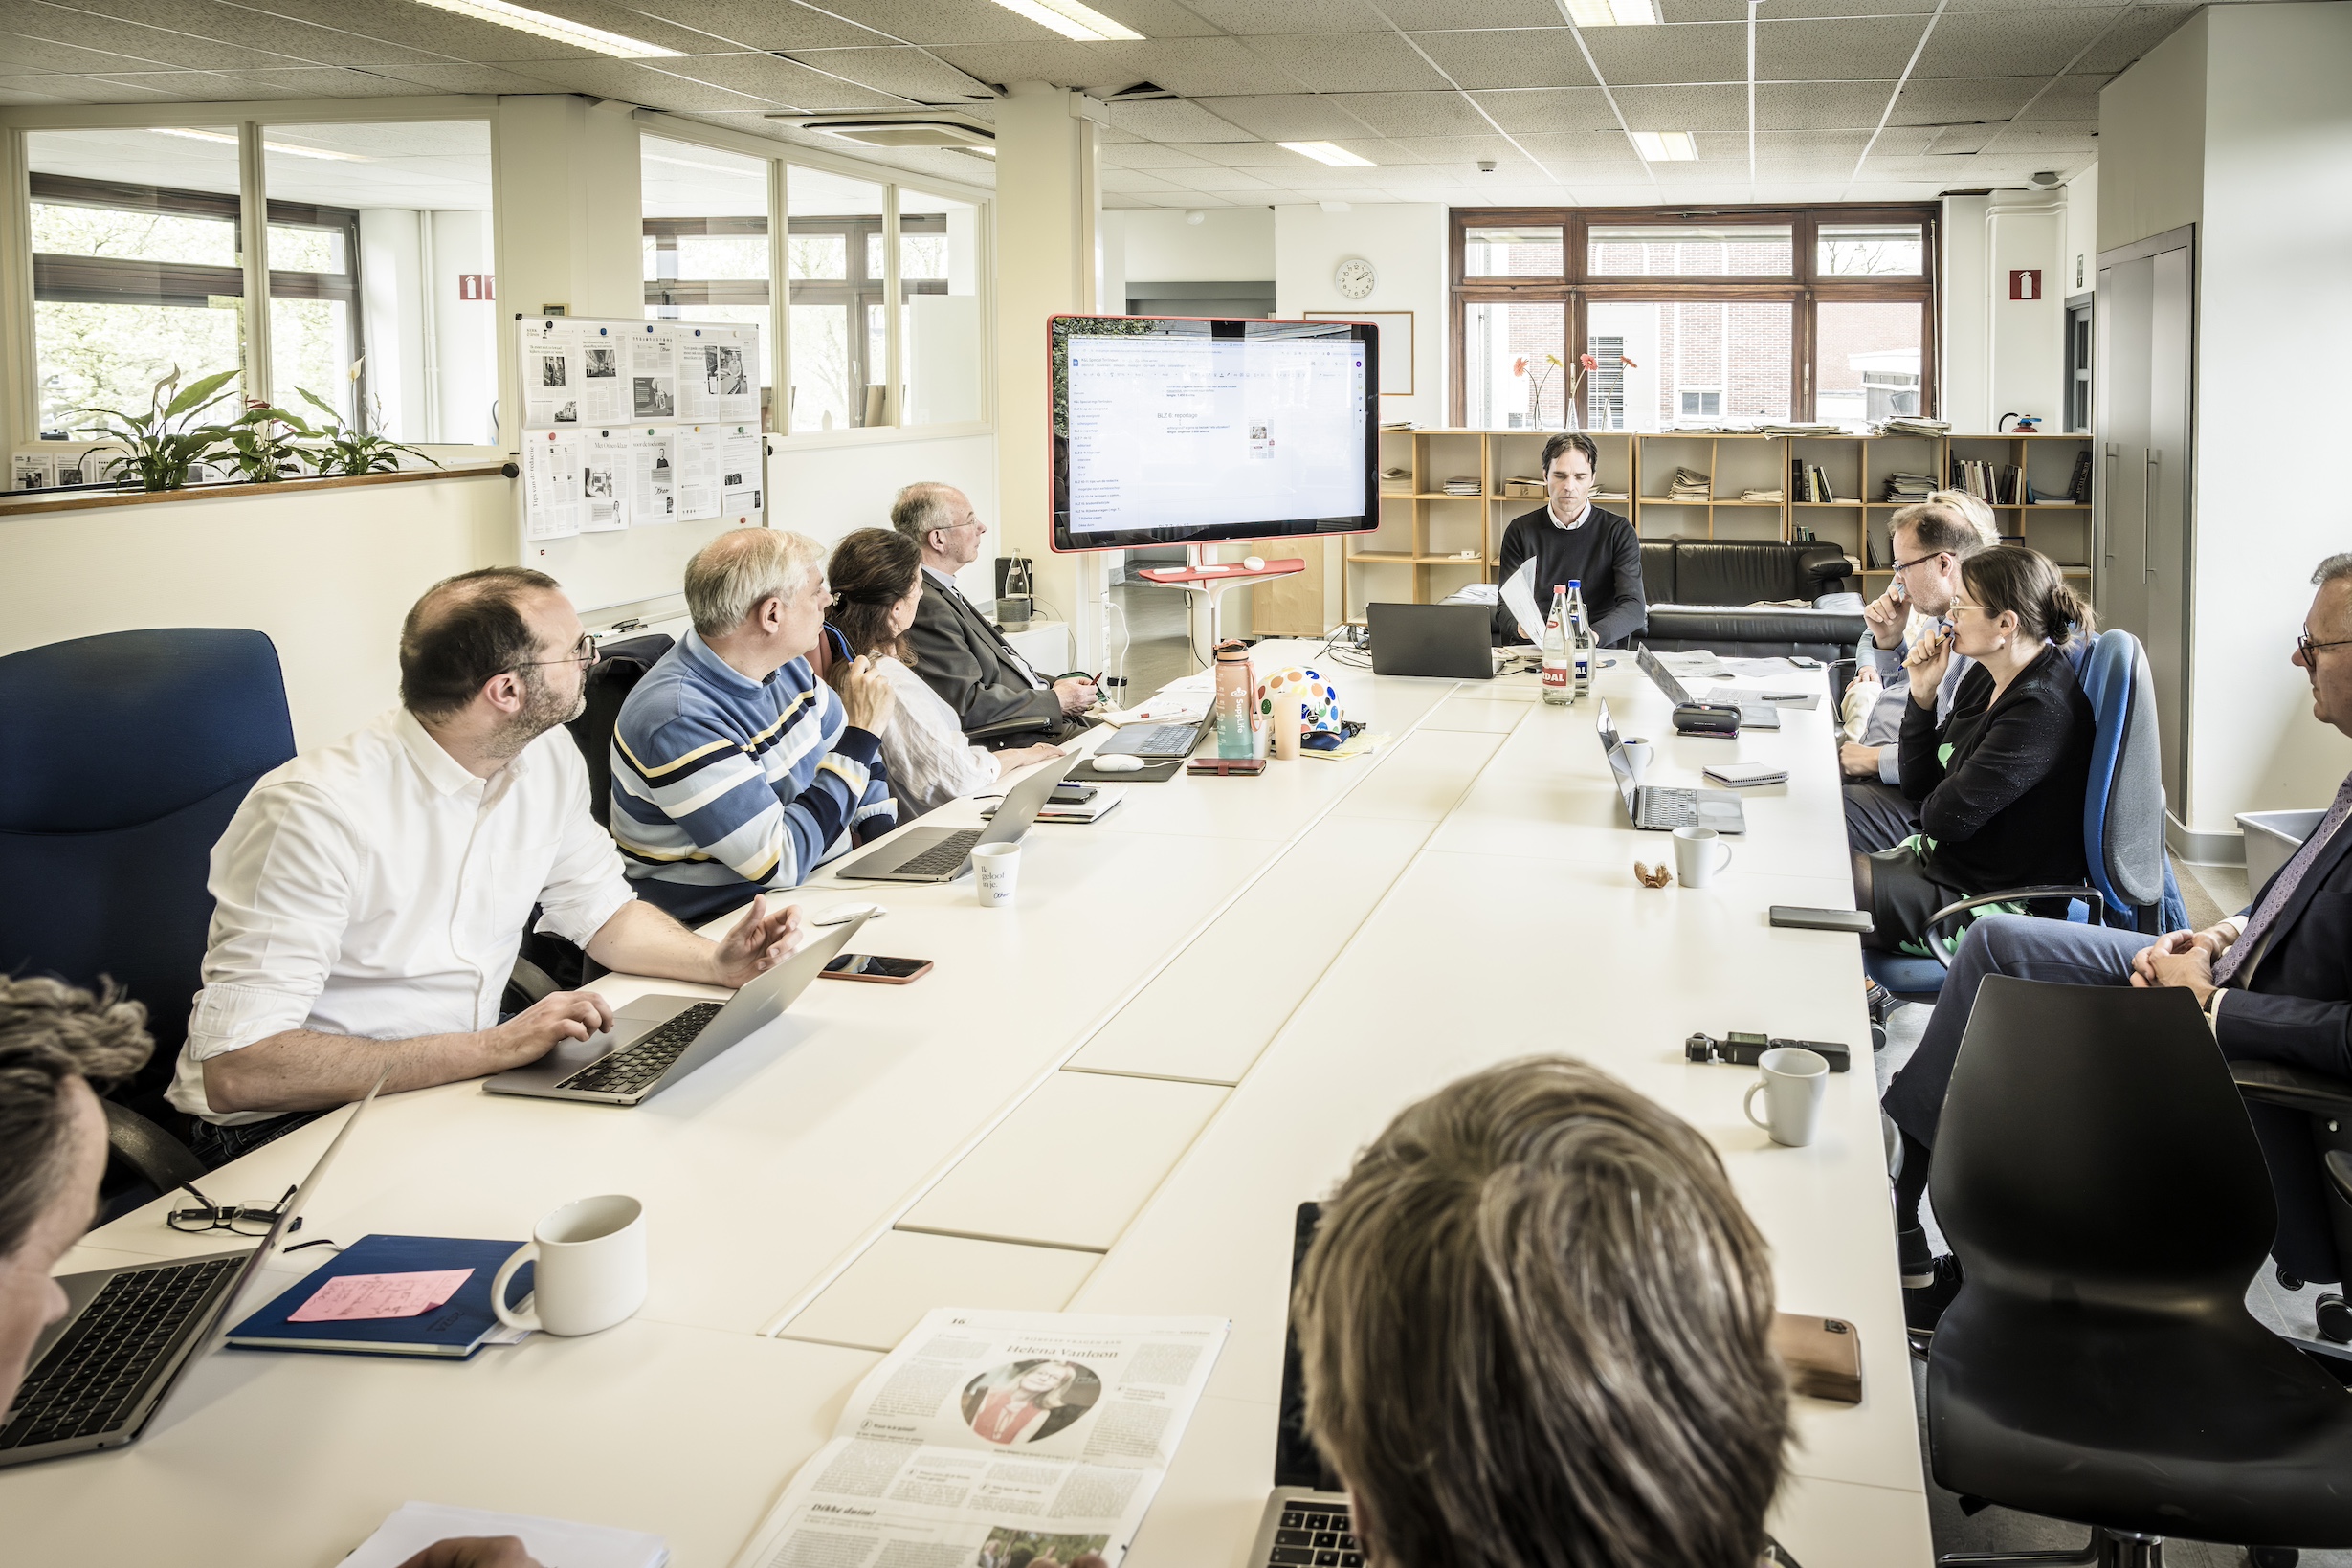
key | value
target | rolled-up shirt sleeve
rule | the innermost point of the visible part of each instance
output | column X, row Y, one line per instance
column 586, row 886
column 281, row 882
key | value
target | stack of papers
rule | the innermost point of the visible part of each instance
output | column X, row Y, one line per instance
column 1914, row 424
column 1772, row 495
column 1688, row 485
column 1464, row 485
column 1815, row 427
column 1395, row 476
column 415, row 1526
column 1906, row 487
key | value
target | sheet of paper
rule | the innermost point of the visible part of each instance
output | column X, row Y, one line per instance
column 743, row 474
column 652, row 477
column 551, row 472
column 1518, row 594
column 603, row 385
column 718, row 373
column 351, row 1298
column 698, row 448
column 652, row 372
column 606, row 473
column 558, row 1543
column 550, row 365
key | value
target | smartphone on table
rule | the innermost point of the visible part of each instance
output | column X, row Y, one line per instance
column 879, row 970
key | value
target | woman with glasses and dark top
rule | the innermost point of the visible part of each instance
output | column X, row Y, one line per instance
column 1536, row 1329
column 877, row 578
column 1999, row 782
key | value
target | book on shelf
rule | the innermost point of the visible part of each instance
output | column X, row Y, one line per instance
column 2078, row 488
column 1908, row 489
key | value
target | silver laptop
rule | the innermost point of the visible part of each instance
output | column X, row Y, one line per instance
column 1307, row 1518
column 1662, row 809
column 1452, row 642
column 104, row 1371
column 657, row 1040
column 1755, row 714
column 1160, row 742
column 942, row 854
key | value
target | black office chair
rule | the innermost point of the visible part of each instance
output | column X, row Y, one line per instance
column 2100, row 1183
column 618, row 669
column 2327, row 1104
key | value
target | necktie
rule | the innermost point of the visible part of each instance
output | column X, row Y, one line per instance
column 2243, row 952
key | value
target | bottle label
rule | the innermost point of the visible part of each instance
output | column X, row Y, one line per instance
column 1556, row 676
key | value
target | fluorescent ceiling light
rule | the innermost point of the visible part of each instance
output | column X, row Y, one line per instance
column 1665, row 147
column 538, row 24
column 1070, row 19
column 1614, row 13
column 286, row 147
column 1326, row 153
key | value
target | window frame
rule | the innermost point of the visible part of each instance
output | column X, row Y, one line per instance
column 1804, row 288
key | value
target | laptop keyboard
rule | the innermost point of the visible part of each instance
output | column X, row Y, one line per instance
column 1319, row 1536
column 1658, row 808
column 626, row 1072
column 1165, row 740
column 942, row 858
column 93, row 1377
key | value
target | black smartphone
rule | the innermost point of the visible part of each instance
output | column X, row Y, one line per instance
column 881, row 971
column 1856, row 921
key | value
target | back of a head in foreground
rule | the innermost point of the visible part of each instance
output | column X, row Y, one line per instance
column 1536, row 1328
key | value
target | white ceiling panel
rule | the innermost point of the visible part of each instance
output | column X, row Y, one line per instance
column 635, row 84
column 899, row 69
column 748, row 26
column 2001, row 43
column 1416, row 16
column 128, row 42
column 1587, row 156
column 1198, row 67
column 1366, row 61
column 1821, row 105
column 1945, row 102
column 2069, row 97
column 1212, row 178
column 1128, row 180
column 1442, row 149
column 1706, row 10
column 1252, row 154
column 936, row 21
column 444, row 77
column 1550, row 109
column 1902, row 141
column 1646, row 55
column 23, row 56
column 1411, row 113
column 1520, row 58
column 1792, row 10
column 1276, row 16
column 2137, row 33
column 328, row 81
column 1684, row 108
column 187, row 86
column 116, row 24
column 17, row 91
column 1057, row 60
column 1174, row 119
column 441, row 33
column 1150, row 155
column 1859, row 49
column 1296, row 117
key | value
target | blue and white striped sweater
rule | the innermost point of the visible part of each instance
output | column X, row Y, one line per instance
column 718, row 779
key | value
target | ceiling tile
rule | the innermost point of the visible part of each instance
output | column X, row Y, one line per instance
column 1958, row 6
column 1130, row 180
column 1174, row 119
column 1550, row 109
column 1201, row 67
column 762, row 27
column 459, row 38
column 1057, row 60
column 1821, row 105
column 17, row 91
column 1902, row 141
column 1251, row 154
column 657, row 89
column 1518, row 58
column 1411, row 113
column 1684, row 108
column 1223, row 181
column 1705, row 10
column 328, row 81
column 1797, row 10
column 1960, row 99
column 1413, row 16
column 1643, row 55
column 779, row 81
column 1944, row 140
column 1150, row 155
column 1785, row 144
column 23, row 56
column 2137, row 33
column 2007, row 43
column 1378, row 62
column 181, row 86
column 935, row 21
column 1857, row 48
column 1159, row 18
column 2069, row 98
column 230, row 24
column 1254, row 16
column 79, row 89
column 2027, row 137
column 1295, row 117
column 1464, row 150
column 128, row 45
column 1587, row 155
column 908, row 73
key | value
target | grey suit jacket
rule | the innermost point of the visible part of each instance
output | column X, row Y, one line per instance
column 962, row 655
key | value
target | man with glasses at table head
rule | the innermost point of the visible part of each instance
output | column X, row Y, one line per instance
column 959, row 651
column 370, row 895
column 1929, row 540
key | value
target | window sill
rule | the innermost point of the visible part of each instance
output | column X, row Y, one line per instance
column 23, row 503
column 877, row 435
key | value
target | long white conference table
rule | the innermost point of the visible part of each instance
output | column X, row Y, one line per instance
column 1108, row 1098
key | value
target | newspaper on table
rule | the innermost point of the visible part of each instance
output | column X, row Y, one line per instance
column 985, row 1432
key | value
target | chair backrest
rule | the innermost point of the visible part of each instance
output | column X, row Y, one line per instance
column 2093, row 1148
column 616, row 673
column 2123, row 804
column 123, row 756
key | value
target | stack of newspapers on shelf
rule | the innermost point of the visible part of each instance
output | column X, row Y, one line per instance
column 1903, row 489
column 1688, row 485
column 1912, row 424
column 1813, row 428
column 1464, row 484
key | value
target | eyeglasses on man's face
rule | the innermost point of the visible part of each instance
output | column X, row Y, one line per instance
column 2305, row 648
column 584, row 653
column 1901, row 566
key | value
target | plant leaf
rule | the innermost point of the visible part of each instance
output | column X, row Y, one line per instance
column 198, row 393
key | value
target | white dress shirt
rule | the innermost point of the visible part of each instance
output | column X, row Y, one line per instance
column 923, row 748
column 375, row 888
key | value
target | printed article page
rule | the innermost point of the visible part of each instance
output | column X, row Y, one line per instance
column 988, row 1432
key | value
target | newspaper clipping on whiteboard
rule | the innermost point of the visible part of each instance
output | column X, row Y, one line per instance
column 986, row 1433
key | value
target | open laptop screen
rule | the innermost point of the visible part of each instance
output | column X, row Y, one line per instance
column 1296, row 1462
column 1655, row 668
column 1615, row 748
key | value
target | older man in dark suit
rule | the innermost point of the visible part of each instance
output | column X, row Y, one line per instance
column 2275, row 980
column 959, row 651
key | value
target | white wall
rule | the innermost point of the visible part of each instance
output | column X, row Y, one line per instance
column 828, row 492
column 1963, row 332
column 2081, row 258
column 2151, row 141
column 463, row 371
column 1406, row 244
column 1230, row 244
column 2002, row 356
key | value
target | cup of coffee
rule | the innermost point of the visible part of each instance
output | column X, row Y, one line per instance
column 1794, row 1082
column 592, row 1268
column 996, row 870
column 1637, row 754
column 1699, row 853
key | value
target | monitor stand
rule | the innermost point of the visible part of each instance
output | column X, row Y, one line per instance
column 1214, row 579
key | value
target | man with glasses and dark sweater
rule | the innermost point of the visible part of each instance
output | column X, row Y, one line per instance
column 1572, row 540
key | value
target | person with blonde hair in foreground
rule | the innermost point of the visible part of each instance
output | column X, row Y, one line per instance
column 1536, row 1325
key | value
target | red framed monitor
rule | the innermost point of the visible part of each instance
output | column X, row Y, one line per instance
column 1179, row 429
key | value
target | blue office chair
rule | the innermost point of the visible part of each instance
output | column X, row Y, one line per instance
column 2131, row 883
column 123, row 758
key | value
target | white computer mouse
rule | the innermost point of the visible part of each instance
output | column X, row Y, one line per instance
column 1255, row 562
column 1119, row 763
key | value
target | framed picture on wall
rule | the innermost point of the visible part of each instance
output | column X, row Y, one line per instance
column 1396, row 343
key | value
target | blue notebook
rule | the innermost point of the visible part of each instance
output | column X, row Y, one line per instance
column 454, row 1329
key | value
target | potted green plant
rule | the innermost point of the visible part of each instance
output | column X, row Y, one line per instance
column 265, row 443
column 354, row 448
column 160, row 446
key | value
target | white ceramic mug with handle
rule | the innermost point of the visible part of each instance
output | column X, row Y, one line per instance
column 1637, row 754
column 1698, row 854
column 592, row 1268
column 1794, row 1083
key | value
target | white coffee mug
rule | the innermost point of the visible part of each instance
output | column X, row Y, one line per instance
column 1698, row 854
column 1637, row 754
column 592, row 1268
column 1794, row 1083
column 996, row 870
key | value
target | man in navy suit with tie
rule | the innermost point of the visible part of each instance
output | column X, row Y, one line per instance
column 2274, row 983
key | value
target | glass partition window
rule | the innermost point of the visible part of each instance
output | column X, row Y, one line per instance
column 380, row 277
column 1511, row 384
column 137, row 270
column 1871, row 250
column 1692, row 251
column 706, row 247
column 1511, row 250
column 939, row 300
column 840, row 331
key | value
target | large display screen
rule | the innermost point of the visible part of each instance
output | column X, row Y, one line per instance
column 1178, row 430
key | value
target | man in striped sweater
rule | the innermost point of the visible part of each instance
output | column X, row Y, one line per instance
column 734, row 767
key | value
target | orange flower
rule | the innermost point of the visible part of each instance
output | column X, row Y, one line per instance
column 1519, row 366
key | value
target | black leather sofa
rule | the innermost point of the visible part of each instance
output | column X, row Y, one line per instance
column 1703, row 594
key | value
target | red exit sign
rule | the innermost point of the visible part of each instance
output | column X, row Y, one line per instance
column 2024, row 282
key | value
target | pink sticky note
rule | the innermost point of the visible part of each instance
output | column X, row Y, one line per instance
column 350, row 1297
